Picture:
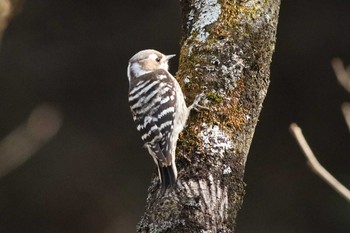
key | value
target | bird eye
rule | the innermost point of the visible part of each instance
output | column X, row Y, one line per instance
column 157, row 59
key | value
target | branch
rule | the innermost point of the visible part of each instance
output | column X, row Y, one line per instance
column 226, row 51
column 316, row 166
column 345, row 107
column 343, row 75
column 23, row 142
column 5, row 12
column 8, row 9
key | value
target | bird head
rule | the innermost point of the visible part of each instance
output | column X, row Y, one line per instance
column 147, row 61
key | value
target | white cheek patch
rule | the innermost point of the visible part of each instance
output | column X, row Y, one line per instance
column 136, row 70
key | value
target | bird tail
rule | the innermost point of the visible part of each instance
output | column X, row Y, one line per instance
column 167, row 176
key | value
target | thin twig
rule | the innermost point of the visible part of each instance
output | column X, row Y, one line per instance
column 23, row 142
column 343, row 76
column 345, row 107
column 8, row 9
column 315, row 165
column 342, row 73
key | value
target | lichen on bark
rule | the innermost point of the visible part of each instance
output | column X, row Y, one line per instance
column 226, row 53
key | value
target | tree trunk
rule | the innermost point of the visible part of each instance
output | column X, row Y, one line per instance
column 226, row 53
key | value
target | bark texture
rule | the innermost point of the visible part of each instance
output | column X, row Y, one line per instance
column 226, row 53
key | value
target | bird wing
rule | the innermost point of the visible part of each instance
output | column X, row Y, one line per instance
column 152, row 100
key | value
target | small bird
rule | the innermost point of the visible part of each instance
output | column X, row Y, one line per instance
column 158, row 108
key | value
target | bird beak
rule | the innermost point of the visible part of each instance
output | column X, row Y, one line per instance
column 168, row 57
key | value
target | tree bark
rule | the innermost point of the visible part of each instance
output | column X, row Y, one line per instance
column 226, row 52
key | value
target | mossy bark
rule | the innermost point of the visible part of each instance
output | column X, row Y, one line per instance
column 226, row 52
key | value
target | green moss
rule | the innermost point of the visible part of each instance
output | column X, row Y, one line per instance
column 225, row 109
column 230, row 32
column 213, row 96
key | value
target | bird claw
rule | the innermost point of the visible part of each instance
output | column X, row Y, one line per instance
column 200, row 107
column 195, row 105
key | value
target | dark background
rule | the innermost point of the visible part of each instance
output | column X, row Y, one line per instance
column 93, row 175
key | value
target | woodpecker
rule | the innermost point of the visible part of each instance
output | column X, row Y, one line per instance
column 158, row 108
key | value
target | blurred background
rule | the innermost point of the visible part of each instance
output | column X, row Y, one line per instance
column 81, row 165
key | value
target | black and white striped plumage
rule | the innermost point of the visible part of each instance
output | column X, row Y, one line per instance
column 158, row 108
